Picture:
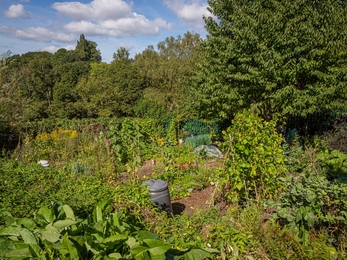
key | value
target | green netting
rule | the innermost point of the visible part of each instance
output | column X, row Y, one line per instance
column 195, row 141
column 196, row 127
column 167, row 123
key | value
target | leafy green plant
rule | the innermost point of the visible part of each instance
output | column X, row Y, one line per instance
column 126, row 144
column 26, row 187
column 172, row 131
column 57, row 233
column 334, row 162
column 204, row 229
column 254, row 158
column 311, row 202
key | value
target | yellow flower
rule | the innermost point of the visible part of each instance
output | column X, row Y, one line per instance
column 161, row 141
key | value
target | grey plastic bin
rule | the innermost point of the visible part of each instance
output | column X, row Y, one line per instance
column 158, row 189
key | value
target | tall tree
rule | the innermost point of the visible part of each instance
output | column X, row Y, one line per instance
column 274, row 56
column 111, row 89
column 66, row 77
column 69, row 68
column 86, row 50
column 34, row 83
column 168, row 70
column 10, row 105
column 122, row 54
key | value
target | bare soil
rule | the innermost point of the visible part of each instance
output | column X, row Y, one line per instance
column 198, row 200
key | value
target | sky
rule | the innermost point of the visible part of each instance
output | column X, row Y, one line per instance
column 45, row 25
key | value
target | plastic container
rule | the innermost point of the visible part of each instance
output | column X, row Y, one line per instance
column 158, row 189
column 44, row 163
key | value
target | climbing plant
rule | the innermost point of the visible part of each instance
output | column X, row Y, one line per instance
column 254, row 158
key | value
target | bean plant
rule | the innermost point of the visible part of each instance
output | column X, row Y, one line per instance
column 254, row 158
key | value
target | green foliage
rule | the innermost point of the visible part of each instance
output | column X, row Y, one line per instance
column 273, row 56
column 310, row 213
column 172, row 131
column 152, row 140
column 26, row 187
column 151, row 127
column 197, row 127
column 86, row 50
column 180, row 168
column 168, row 70
column 266, row 238
column 55, row 146
column 198, row 230
column 57, row 233
column 69, row 149
column 25, row 87
column 311, row 203
column 254, row 158
column 150, row 108
column 65, row 93
column 334, row 163
column 48, row 125
column 111, row 89
column 184, row 178
column 125, row 141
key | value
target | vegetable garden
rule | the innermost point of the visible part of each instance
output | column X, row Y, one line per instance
column 266, row 87
column 268, row 200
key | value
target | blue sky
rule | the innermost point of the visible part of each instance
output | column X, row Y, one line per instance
column 45, row 25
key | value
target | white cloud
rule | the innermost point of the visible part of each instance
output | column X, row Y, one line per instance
column 128, row 26
column 16, row 11
column 37, row 34
column 85, row 27
column 106, row 18
column 97, row 10
column 133, row 26
column 191, row 12
column 112, row 18
column 53, row 48
column 42, row 34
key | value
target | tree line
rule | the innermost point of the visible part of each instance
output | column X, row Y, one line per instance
column 77, row 84
column 275, row 57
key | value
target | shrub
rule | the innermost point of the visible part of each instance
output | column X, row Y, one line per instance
column 254, row 158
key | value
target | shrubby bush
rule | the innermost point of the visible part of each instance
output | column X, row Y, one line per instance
column 254, row 158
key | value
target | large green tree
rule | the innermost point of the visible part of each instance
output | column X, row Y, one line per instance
column 69, row 68
column 111, row 89
column 66, row 76
column 28, row 79
column 167, row 72
column 11, row 102
column 86, row 50
column 278, row 57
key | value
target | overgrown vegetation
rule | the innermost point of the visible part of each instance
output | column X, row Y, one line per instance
column 279, row 192
column 297, row 213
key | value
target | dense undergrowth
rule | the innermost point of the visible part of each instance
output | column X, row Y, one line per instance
column 281, row 201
